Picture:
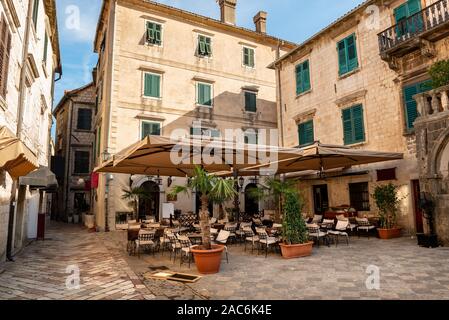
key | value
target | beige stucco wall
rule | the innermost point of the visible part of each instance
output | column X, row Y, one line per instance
column 37, row 111
column 375, row 86
column 176, row 61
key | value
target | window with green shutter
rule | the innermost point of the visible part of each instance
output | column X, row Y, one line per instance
column 35, row 13
column 204, row 94
column 353, row 125
column 401, row 15
column 204, row 46
column 303, row 77
column 250, row 101
column 347, row 55
column 150, row 129
column 248, row 57
column 305, row 133
column 152, row 85
column 154, row 33
column 205, row 132
column 45, row 48
column 410, row 105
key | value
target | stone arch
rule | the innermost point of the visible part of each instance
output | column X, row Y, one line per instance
column 440, row 149
column 140, row 180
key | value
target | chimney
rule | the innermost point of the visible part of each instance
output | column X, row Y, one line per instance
column 260, row 20
column 227, row 9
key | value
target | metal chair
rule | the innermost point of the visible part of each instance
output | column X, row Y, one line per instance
column 265, row 241
column 145, row 240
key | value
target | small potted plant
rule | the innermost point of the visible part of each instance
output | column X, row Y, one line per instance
column 295, row 236
column 387, row 201
column 211, row 188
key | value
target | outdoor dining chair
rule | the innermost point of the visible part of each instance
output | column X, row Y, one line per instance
column 240, row 233
column 265, row 241
column 232, row 228
column 186, row 246
column 316, row 234
column 363, row 224
column 317, row 218
column 340, row 230
column 175, row 246
column 145, row 240
column 223, row 238
column 250, row 236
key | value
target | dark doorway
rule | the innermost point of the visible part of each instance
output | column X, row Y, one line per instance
column 198, row 205
column 80, row 202
column 418, row 211
column 251, row 204
column 150, row 206
column 320, row 199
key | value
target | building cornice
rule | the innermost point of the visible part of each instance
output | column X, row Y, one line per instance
column 191, row 17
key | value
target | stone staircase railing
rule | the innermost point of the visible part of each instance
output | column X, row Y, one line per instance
column 433, row 101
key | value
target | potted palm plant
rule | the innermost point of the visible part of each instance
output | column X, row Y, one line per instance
column 387, row 201
column 133, row 195
column 211, row 188
column 295, row 236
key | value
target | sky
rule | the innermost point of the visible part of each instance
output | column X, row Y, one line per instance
column 294, row 20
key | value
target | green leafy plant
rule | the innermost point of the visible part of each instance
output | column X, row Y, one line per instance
column 133, row 195
column 294, row 229
column 439, row 73
column 211, row 188
column 387, row 201
column 276, row 189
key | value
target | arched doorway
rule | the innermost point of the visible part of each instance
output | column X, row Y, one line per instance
column 251, row 203
column 150, row 206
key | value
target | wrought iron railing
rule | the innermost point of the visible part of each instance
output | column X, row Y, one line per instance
column 427, row 19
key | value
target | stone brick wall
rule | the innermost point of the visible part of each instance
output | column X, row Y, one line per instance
column 433, row 154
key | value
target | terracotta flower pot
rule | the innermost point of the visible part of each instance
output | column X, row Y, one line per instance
column 389, row 233
column 291, row 251
column 208, row 261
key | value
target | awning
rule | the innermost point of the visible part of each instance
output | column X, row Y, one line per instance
column 42, row 178
column 322, row 157
column 163, row 156
column 15, row 157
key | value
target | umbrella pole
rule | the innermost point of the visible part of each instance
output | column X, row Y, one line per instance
column 236, row 197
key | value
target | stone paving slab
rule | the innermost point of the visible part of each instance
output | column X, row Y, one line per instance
column 108, row 272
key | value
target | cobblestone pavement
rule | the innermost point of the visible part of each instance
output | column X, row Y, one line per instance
column 107, row 272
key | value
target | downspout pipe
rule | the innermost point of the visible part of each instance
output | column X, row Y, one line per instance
column 20, row 111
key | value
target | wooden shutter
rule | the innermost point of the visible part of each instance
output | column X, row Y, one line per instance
column 84, row 119
column 250, row 102
column 5, row 48
column 152, row 85
column 45, row 47
column 359, row 126
column 204, row 94
column 351, row 52
column 202, row 45
column 208, row 46
column 414, row 6
column 305, row 131
column 342, row 59
column 150, row 32
column 252, row 61
column 151, row 129
column 35, row 12
column 158, row 33
column 347, row 126
column 306, row 76
column 245, row 56
column 298, row 79
column 411, row 110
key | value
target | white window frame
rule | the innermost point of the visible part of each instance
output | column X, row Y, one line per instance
column 161, row 94
column 244, row 100
column 243, row 57
column 162, row 33
column 211, row 94
column 253, row 132
column 141, row 122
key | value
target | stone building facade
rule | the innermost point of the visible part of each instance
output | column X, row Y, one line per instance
column 162, row 69
column 29, row 60
column 432, row 132
column 352, row 84
column 75, row 137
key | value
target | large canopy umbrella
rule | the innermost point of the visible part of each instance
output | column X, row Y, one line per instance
column 15, row 156
column 41, row 178
column 322, row 157
column 178, row 157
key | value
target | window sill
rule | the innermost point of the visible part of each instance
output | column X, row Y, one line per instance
column 204, row 106
column 153, row 45
column 356, row 144
column 204, row 57
column 152, row 98
column 250, row 112
column 249, row 68
column 348, row 74
column 303, row 93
